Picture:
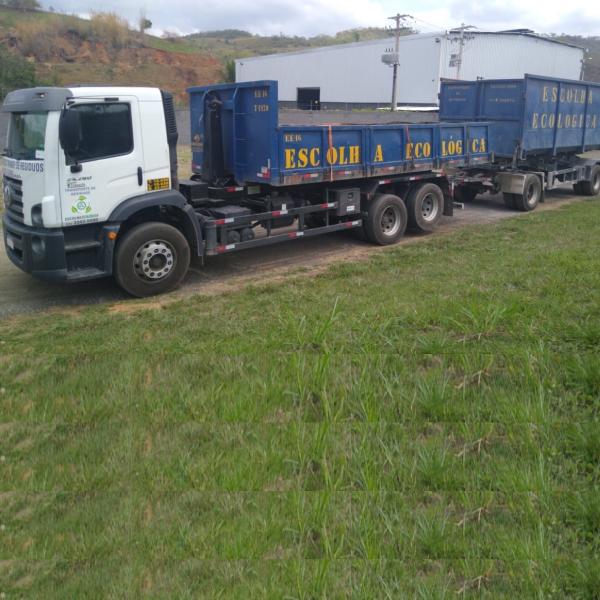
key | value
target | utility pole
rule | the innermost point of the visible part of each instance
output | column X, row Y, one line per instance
column 397, row 18
column 461, row 47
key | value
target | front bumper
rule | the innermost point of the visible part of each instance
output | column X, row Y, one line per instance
column 39, row 252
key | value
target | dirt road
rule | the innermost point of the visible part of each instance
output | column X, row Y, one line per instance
column 21, row 294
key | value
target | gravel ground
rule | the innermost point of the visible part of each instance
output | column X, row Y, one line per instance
column 22, row 294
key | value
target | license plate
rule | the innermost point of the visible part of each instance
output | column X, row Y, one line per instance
column 10, row 243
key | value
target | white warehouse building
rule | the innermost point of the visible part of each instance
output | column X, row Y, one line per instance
column 354, row 76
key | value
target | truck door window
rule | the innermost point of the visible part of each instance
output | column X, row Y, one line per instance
column 104, row 130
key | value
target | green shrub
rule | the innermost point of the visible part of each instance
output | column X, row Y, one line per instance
column 15, row 72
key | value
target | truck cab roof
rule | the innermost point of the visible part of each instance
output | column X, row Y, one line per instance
column 48, row 98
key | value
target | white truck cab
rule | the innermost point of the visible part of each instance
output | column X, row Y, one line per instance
column 81, row 167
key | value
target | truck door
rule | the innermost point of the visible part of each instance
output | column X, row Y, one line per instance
column 103, row 171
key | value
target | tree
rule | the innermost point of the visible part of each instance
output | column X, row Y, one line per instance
column 172, row 35
column 229, row 72
column 15, row 72
column 143, row 22
column 23, row 5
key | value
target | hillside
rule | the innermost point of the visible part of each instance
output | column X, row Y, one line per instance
column 230, row 44
column 592, row 61
column 66, row 49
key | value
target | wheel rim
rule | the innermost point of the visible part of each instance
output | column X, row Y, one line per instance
column 429, row 207
column 596, row 182
column 532, row 195
column 154, row 260
column 391, row 220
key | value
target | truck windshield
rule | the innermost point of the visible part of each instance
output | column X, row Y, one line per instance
column 26, row 135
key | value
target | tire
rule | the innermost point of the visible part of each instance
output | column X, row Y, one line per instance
column 578, row 189
column 465, row 194
column 591, row 187
column 360, row 232
column 425, row 206
column 509, row 200
column 386, row 221
column 532, row 192
column 166, row 245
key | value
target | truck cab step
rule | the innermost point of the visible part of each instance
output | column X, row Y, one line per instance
column 82, row 245
column 80, row 274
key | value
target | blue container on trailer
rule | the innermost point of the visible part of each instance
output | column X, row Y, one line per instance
column 256, row 149
column 249, row 124
column 531, row 116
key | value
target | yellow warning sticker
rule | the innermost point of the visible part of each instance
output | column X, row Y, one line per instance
column 158, row 184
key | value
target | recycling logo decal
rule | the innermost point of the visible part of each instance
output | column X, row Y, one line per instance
column 81, row 206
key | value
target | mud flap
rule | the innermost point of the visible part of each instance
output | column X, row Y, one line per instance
column 448, row 205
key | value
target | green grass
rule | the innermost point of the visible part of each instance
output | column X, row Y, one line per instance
column 180, row 45
column 521, row 287
column 285, row 510
column 424, row 424
column 10, row 17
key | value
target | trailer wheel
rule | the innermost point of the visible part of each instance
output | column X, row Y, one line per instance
column 509, row 200
column 465, row 194
column 425, row 205
column 592, row 187
column 532, row 192
column 387, row 220
column 360, row 232
column 151, row 259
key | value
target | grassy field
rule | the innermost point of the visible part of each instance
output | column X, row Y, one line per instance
column 526, row 286
column 423, row 424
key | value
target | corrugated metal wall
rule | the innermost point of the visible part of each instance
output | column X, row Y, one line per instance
column 510, row 56
column 354, row 73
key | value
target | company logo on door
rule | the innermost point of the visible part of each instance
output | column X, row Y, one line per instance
column 81, row 205
column 81, row 210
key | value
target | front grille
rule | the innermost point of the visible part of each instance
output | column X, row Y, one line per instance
column 15, row 209
column 17, row 242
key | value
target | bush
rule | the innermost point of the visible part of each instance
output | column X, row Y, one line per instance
column 39, row 38
column 110, row 29
column 15, row 73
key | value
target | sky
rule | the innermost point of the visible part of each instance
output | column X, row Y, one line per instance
column 313, row 17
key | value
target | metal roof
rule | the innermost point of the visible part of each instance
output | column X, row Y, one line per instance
column 392, row 40
column 521, row 33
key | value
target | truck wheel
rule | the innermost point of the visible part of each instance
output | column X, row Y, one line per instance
column 151, row 259
column 360, row 232
column 425, row 205
column 532, row 192
column 592, row 187
column 465, row 194
column 387, row 220
column 509, row 200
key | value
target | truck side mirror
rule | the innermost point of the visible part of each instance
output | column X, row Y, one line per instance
column 68, row 130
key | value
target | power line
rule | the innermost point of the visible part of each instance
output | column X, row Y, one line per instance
column 437, row 29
